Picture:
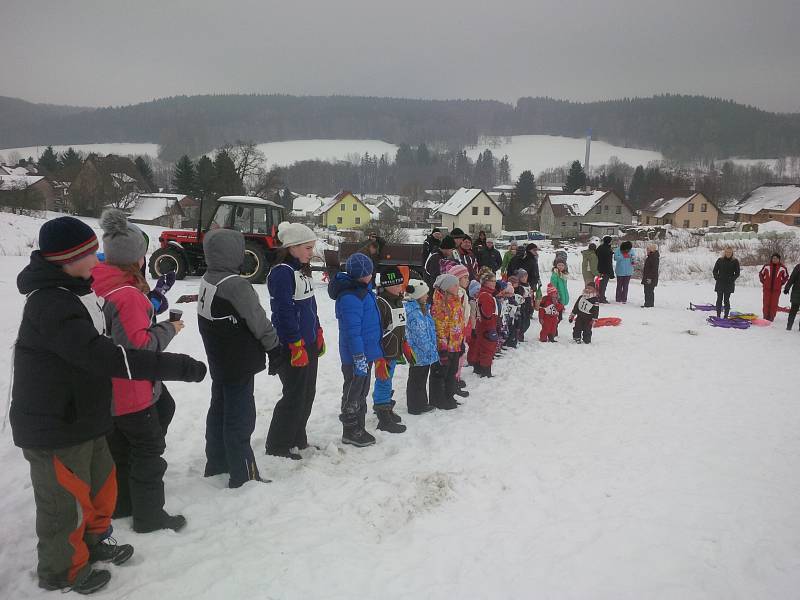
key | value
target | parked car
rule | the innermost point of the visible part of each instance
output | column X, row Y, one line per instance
column 537, row 235
column 505, row 239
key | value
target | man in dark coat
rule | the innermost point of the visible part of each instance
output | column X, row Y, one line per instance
column 489, row 256
column 793, row 285
column 433, row 267
column 431, row 243
column 726, row 272
column 528, row 259
column 605, row 266
column 650, row 275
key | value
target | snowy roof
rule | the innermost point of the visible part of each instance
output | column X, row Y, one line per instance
column 506, row 187
column 9, row 170
column 18, row 182
column 247, row 200
column 427, row 204
column 770, row 196
column 666, row 206
column 174, row 197
column 577, row 205
column 459, row 201
column 331, row 202
column 307, row 204
column 374, row 210
column 601, row 224
column 149, row 207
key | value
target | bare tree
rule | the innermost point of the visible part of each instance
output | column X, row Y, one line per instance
column 247, row 158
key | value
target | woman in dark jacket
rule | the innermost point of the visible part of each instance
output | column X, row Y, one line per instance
column 605, row 266
column 527, row 259
column 489, row 256
column 726, row 272
column 431, row 243
column 650, row 275
column 794, row 285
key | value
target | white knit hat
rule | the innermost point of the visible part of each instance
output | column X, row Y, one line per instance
column 294, row 234
column 416, row 289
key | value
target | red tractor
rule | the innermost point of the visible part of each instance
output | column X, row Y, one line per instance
column 181, row 251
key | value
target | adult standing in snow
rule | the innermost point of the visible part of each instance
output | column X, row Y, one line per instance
column 528, row 259
column 623, row 257
column 726, row 272
column 793, row 285
column 605, row 266
column 509, row 254
column 589, row 264
column 294, row 316
column 650, row 275
column 431, row 243
column 467, row 258
column 772, row 275
column 443, row 254
column 481, row 241
column 489, row 256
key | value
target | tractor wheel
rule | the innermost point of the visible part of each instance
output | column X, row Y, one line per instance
column 167, row 260
column 255, row 263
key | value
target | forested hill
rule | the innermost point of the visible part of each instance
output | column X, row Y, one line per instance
column 682, row 127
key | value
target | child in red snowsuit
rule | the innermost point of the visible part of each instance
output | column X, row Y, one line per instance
column 772, row 276
column 549, row 314
column 486, row 334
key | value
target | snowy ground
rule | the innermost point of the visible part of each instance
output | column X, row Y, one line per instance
column 653, row 464
column 121, row 149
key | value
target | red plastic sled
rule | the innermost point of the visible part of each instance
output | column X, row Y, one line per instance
column 607, row 322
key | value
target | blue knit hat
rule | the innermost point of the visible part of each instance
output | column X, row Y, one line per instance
column 65, row 240
column 358, row 265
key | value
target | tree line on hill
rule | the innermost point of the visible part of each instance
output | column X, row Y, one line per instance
column 681, row 127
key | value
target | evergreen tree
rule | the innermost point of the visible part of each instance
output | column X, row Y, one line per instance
column 71, row 159
column 183, row 179
column 616, row 185
column 204, row 177
column 504, row 171
column 523, row 196
column 576, row 178
column 227, row 181
column 423, row 155
column 146, row 171
column 405, row 156
column 636, row 188
column 48, row 161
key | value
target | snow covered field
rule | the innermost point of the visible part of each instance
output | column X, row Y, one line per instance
column 121, row 149
column 652, row 464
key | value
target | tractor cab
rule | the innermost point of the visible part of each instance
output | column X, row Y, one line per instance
column 181, row 251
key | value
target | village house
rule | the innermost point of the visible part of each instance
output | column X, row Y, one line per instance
column 103, row 181
column 690, row 212
column 562, row 215
column 770, row 202
column 344, row 211
column 164, row 210
column 32, row 192
column 472, row 210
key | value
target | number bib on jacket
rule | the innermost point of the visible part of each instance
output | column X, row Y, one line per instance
column 585, row 306
column 205, row 299
column 303, row 286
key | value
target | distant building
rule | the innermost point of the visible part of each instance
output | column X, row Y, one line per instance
column 687, row 212
column 33, row 192
column 304, row 207
column 106, row 180
column 562, row 215
column 472, row 210
column 769, row 202
column 344, row 211
column 164, row 210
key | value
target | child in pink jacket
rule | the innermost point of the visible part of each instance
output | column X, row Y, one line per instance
column 142, row 410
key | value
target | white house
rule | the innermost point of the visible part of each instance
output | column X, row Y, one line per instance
column 562, row 215
column 472, row 210
column 158, row 209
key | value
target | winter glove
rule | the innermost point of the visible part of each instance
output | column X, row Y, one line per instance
column 360, row 368
column 158, row 300
column 164, row 366
column 299, row 356
column 382, row 369
column 320, row 343
column 571, row 318
column 277, row 358
column 409, row 353
column 165, row 282
column 490, row 335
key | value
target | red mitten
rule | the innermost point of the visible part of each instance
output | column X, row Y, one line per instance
column 320, row 343
column 298, row 354
column 382, row 369
column 409, row 353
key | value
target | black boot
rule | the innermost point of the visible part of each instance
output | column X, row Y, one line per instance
column 356, row 435
column 165, row 521
column 395, row 417
column 478, row 370
column 386, row 423
column 461, row 393
column 284, row 454
column 461, row 384
column 487, row 371
column 109, row 551
column 96, row 580
column 421, row 411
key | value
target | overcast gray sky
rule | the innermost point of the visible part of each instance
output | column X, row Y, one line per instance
column 113, row 52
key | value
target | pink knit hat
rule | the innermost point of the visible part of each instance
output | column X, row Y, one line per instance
column 459, row 271
column 551, row 290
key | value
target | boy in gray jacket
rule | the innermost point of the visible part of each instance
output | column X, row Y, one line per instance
column 236, row 334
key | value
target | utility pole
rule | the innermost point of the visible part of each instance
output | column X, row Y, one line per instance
column 586, row 160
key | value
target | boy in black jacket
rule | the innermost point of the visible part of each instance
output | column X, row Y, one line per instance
column 585, row 311
column 61, row 406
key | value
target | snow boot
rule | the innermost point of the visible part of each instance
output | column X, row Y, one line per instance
column 387, row 423
column 425, row 409
column 96, row 580
column 461, row 384
column 166, row 521
column 288, row 454
column 461, row 393
column 395, row 417
column 357, row 436
column 478, row 370
column 447, row 404
column 109, row 551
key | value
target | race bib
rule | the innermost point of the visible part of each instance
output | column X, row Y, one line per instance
column 205, row 299
column 303, row 286
column 585, row 306
column 398, row 317
column 94, row 306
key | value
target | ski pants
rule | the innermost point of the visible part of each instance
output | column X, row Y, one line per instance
column 770, row 303
column 582, row 330
column 75, row 490
column 649, row 295
column 549, row 327
column 622, row 287
column 417, row 388
column 230, row 423
column 290, row 416
column 354, row 395
column 723, row 298
column 382, row 393
column 443, row 379
column 604, row 279
column 792, row 314
column 137, row 444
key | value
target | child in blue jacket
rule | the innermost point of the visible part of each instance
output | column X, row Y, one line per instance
column 359, row 344
column 624, row 261
column 421, row 337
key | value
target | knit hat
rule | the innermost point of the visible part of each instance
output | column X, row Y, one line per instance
column 445, row 281
column 123, row 243
column 474, row 288
column 358, row 265
column 448, row 243
column 486, row 276
column 458, row 271
column 607, row 239
column 294, row 234
column 513, row 280
column 416, row 289
column 520, row 273
column 530, row 247
column 391, row 276
column 65, row 240
column 457, row 233
column 551, row 290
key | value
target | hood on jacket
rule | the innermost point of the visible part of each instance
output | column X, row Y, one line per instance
column 344, row 283
column 41, row 274
column 224, row 250
column 106, row 277
column 588, row 252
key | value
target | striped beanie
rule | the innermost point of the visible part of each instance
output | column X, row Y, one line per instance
column 458, row 271
column 65, row 240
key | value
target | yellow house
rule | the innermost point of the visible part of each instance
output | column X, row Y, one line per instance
column 344, row 211
column 689, row 213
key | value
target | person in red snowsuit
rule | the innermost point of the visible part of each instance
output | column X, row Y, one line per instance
column 550, row 311
column 772, row 276
column 486, row 333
